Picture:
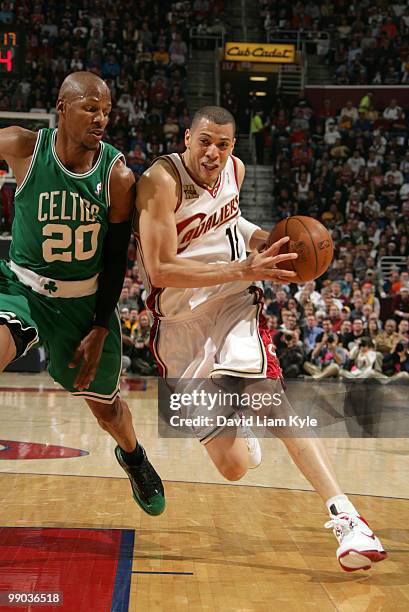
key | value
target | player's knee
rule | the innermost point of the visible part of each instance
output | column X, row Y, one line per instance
column 7, row 347
column 232, row 470
column 108, row 415
column 230, row 456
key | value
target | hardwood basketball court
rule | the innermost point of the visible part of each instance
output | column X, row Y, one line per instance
column 257, row 545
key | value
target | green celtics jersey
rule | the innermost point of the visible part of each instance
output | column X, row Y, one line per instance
column 61, row 218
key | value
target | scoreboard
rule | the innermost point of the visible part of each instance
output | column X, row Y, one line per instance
column 12, row 51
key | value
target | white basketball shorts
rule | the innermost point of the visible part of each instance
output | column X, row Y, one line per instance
column 228, row 337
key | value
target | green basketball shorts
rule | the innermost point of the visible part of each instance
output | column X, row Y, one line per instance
column 60, row 324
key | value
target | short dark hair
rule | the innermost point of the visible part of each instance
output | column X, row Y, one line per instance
column 216, row 114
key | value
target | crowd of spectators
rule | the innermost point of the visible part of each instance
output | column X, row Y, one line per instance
column 135, row 322
column 349, row 168
column 142, row 54
column 365, row 42
column 341, row 330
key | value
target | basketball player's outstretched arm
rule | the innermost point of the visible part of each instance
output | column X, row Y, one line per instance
column 156, row 203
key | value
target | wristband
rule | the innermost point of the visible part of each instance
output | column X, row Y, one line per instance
column 247, row 229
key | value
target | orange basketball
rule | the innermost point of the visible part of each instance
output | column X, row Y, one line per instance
column 311, row 240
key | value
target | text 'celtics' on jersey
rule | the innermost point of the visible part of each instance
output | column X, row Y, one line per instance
column 61, row 217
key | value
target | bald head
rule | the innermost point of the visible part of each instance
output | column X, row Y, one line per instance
column 81, row 85
column 83, row 105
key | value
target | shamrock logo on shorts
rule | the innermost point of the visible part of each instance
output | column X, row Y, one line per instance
column 51, row 287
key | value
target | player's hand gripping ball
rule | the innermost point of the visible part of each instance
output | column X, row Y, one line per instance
column 311, row 240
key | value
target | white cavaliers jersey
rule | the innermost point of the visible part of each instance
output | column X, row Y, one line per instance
column 207, row 228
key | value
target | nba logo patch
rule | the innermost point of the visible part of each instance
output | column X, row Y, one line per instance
column 190, row 192
column 99, row 188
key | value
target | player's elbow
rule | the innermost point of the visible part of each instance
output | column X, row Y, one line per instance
column 157, row 280
column 164, row 271
column 158, row 276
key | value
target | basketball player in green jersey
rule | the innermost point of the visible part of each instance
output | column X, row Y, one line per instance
column 73, row 206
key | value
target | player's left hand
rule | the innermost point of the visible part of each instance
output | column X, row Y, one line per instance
column 89, row 353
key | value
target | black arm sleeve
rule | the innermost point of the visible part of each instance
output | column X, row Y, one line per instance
column 115, row 250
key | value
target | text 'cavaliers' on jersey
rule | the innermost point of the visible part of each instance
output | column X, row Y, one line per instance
column 208, row 232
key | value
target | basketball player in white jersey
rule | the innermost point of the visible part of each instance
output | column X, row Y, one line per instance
column 193, row 248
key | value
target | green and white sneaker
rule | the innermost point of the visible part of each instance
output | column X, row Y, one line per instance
column 147, row 487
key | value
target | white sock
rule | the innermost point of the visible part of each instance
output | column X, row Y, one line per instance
column 340, row 503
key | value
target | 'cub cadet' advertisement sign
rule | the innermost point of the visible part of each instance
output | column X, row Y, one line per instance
column 259, row 52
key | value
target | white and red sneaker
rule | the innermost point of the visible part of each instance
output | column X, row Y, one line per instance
column 358, row 545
